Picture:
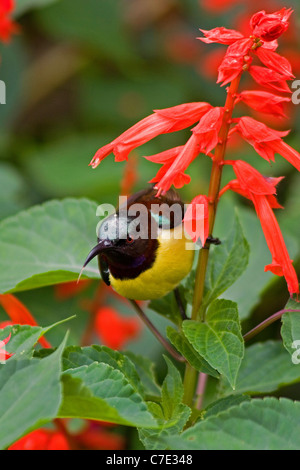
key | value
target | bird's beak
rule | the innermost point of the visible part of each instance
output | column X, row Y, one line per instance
column 102, row 246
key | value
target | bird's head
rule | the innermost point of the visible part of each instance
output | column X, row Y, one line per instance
column 128, row 240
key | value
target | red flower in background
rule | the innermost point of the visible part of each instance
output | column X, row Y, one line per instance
column 19, row 314
column 7, row 26
column 42, row 439
column 115, row 330
column 4, row 355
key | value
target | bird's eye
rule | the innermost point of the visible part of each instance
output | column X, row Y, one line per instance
column 129, row 239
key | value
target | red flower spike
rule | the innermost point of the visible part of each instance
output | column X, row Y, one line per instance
column 266, row 141
column 19, row 314
column 221, row 36
column 281, row 264
column 161, row 122
column 174, row 173
column 208, row 129
column 115, row 330
column 275, row 62
column 196, row 219
column 264, row 102
column 270, row 26
column 269, row 78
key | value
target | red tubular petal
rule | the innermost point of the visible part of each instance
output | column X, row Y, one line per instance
column 196, row 219
column 251, row 180
column 19, row 314
column 276, row 243
column 207, row 131
column 287, row 152
column 269, row 78
column 264, row 102
column 275, row 62
column 220, row 35
column 162, row 121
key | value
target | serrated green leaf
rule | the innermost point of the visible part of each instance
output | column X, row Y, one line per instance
column 171, row 414
column 24, row 338
column 267, row 424
column 74, row 357
column 290, row 330
column 275, row 369
column 97, row 391
column 224, row 404
column 186, row 349
column 145, row 370
column 227, row 262
column 47, row 244
column 30, row 395
column 219, row 339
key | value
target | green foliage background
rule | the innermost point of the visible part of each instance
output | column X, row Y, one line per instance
column 78, row 74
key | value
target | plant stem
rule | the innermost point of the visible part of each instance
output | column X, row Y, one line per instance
column 190, row 378
column 156, row 333
column 257, row 329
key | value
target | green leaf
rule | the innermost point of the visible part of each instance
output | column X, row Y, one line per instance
column 267, row 424
column 224, row 404
column 145, row 370
column 171, row 414
column 100, row 392
column 275, row 369
column 74, row 356
column 227, row 262
column 47, row 244
column 186, row 349
column 24, row 338
column 290, row 330
column 30, row 395
column 219, row 339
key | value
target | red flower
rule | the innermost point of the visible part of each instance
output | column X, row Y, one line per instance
column 260, row 190
column 19, row 314
column 130, row 177
column 115, row 330
column 167, row 158
column 196, row 219
column 269, row 78
column 41, row 439
column 7, row 26
column 221, row 35
column 275, row 62
column 264, row 102
column 208, row 129
column 161, row 122
column 266, row 141
column 4, row 355
column 66, row 290
column 174, row 173
column 270, row 26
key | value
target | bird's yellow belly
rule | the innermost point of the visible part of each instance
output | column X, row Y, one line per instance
column 173, row 262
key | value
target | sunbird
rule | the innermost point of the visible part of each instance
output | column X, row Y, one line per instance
column 143, row 250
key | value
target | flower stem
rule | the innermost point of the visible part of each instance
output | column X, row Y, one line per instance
column 190, row 378
column 257, row 329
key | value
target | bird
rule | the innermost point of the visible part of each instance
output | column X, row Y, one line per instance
column 143, row 250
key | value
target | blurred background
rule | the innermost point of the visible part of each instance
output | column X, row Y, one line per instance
column 79, row 73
